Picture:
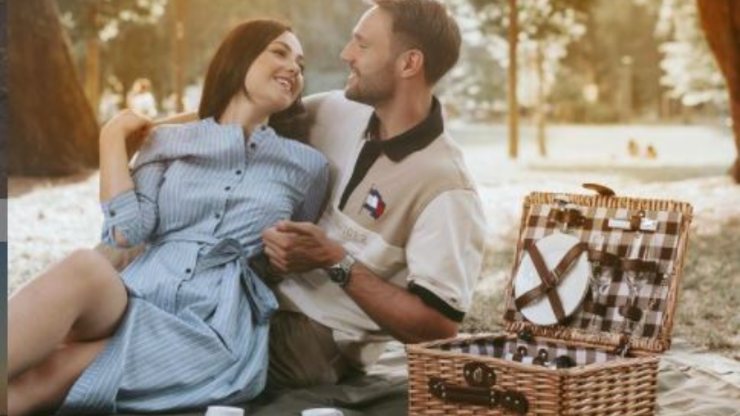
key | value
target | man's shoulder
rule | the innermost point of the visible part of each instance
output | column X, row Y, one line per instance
column 443, row 163
column 337, row 124
column 332, row 104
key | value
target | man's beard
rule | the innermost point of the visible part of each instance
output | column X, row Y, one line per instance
column 372, row 90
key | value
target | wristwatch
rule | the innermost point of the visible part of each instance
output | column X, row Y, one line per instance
column 340, row 272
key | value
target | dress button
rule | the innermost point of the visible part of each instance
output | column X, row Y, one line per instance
column 228, row 188
column 253, row 145
column 217, row 215
column 112, row 213
column 188, row 270
column 239, row 172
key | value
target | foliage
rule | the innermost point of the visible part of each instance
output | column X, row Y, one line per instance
column 690, row 70
column 551, row 25
column 143, row 49
column 106, row 18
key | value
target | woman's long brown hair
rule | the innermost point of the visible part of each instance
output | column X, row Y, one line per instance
column 228, row 69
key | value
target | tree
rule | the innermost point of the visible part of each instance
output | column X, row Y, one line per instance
column 102, row 20
column 720, row 20
column 690, row 71
column 3, row 97
column 53, row 127
column 542, row 27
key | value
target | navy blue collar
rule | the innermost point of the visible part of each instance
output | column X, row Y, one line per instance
column 410, row 141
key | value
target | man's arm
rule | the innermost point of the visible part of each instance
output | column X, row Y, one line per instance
column 403, row 314
column 297, row 247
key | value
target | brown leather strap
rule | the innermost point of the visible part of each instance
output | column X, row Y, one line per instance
column 601, row 189
column 603, row 257
column 637, row 265
column 550, row 279
column 570, row 216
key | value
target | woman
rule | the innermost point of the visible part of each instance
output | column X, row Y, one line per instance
column 185, row 325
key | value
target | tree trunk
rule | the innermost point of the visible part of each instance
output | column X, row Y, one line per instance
column 541, row 102
column 179, row 18
column 53, row 127
column 720, row 20
column 92, row 60
column 512, row 98
column 3, row 101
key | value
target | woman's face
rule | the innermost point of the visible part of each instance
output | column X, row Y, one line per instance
column 275, row 79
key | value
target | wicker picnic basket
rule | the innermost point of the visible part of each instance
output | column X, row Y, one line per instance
column 613, row 353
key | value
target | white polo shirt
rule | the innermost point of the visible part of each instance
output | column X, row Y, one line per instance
column 410, row 214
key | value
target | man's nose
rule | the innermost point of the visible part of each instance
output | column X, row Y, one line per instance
column 345, row 55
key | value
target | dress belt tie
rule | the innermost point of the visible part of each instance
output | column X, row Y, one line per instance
column 261, row 299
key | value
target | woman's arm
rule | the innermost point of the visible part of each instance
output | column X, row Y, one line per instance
column 115, row 177
column 128, row 203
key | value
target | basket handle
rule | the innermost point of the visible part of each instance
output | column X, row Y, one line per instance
column 600, row 189
column 510, row 400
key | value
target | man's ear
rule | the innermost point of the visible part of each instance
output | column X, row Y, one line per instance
column 411, row 63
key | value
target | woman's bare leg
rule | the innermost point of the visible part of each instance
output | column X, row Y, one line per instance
column 80, row 298
column 44, row 387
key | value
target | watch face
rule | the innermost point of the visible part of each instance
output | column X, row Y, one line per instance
column 336, row 274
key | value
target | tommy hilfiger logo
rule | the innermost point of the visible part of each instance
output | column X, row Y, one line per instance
column 374, row 203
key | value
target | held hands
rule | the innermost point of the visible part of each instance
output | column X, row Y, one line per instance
column 299, row 247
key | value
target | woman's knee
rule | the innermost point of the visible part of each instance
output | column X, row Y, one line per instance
column 90, row 269
column 44, row 387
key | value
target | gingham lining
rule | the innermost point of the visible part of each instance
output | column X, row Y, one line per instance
column 660, row 246
column 502, row 347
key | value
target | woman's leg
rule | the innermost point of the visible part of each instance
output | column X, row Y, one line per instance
column 44, row 387
column 80, row 298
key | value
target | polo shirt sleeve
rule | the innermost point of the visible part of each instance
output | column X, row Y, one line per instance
column 445, row 252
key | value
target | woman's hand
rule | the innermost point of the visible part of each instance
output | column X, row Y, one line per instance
column 127, row 124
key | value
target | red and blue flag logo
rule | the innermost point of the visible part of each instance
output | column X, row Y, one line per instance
column 374, row 203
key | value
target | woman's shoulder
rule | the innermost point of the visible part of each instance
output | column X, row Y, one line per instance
column 166, row 131
column 168, row 141
column 304, row 152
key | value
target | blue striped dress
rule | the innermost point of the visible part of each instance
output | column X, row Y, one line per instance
column 196, row 328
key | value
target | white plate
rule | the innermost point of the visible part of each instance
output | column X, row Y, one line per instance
column 571, row 289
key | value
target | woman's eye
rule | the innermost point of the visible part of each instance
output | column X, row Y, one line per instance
column 279, row 52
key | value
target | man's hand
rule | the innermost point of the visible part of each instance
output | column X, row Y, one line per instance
column 299, row 247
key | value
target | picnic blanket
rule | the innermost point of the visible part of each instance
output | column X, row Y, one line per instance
column 690, row 382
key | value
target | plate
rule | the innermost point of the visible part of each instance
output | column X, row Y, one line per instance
column 571, row 289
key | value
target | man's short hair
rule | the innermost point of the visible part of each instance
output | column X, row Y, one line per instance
column 426, row 25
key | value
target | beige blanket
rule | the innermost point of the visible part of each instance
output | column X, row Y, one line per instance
column 690, row 382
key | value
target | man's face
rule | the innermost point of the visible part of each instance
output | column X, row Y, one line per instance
column 371, row 59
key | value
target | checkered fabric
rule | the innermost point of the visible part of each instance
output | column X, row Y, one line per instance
column 660, row 247
column 502, row 347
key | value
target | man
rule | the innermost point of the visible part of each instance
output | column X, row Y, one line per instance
column 397, row 252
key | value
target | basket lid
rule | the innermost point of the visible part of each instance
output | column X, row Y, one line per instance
column 633, row 251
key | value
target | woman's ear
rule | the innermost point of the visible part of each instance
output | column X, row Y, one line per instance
column 411, row 63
